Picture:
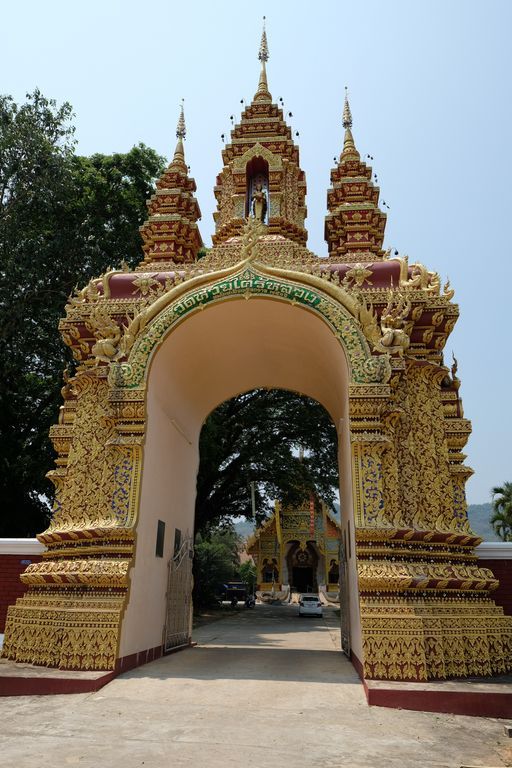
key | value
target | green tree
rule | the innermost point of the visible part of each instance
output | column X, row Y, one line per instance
column 63, row 220
column 247, row 573
column 255, row 438
column 216, row 560
column 501, row 519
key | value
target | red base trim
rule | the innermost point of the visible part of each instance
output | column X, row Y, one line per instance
column 14, row 685
column 357, row 665
column 475, row 703
column 46, row 681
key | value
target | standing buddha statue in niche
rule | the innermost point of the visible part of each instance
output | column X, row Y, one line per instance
column 259, row 203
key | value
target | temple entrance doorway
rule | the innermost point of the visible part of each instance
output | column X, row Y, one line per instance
column 231, row 347
column 303, row 579
column 303, row 567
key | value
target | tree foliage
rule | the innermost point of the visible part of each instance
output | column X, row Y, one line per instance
column 501, row 519
column 248, row 574
column 63, row 219
column 255, row 438
column 216, row 560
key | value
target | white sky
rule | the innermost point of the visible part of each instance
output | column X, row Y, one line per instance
column 429, row 85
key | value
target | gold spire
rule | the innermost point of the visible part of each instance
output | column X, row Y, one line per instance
column 349, row 147
column 263, row 53
column 181, row 132
column 263, row 94
column 347, row 114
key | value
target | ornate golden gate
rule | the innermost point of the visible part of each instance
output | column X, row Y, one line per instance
column 379, row 326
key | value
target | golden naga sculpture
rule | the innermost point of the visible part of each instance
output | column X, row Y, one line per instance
column 394, row 338
column 422, row 278
column 421, row 606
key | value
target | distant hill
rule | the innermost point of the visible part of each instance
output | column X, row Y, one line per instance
column 244, row 528
column 478, row 514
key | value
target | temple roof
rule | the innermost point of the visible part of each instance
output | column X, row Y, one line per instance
column 294, row 523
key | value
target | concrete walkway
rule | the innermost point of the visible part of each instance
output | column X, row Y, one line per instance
column 263, row 688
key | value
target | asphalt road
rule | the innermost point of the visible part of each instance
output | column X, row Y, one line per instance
column 262, row 688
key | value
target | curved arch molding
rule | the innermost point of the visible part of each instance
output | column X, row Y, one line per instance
column 247, row 283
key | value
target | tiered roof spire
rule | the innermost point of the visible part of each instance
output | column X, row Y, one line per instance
column 354, row 226
column 261, row 152
column 171, row 234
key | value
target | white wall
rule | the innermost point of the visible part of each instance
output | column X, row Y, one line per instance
column 21, row 547
column 494, row 550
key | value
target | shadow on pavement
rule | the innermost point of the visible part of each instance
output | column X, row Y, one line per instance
column 243, row 663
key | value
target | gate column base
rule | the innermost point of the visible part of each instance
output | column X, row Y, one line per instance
column 425, row 608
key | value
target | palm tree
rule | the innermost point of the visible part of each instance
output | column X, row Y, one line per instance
column 501, row 519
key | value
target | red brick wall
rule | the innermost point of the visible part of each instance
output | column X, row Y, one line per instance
column 502, row 569
column 10, row 585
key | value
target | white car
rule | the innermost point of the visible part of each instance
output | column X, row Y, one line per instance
column 310, row 605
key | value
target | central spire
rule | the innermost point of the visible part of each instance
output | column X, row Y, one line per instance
column 263, row 94
column 261, row 177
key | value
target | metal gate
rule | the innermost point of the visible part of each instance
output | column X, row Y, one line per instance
column 178, row 624
column 344, row 598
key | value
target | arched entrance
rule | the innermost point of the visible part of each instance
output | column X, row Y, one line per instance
column 128, row 457
column 231, row 347
column 156, row 350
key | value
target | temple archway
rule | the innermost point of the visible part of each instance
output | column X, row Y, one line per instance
column 234, row 346
column 158, row 348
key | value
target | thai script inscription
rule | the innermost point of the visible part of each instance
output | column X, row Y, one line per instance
column 239, row 285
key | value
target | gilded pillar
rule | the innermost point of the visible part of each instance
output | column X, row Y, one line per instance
column 425, row 604
column 71, row 615
column 369, row 441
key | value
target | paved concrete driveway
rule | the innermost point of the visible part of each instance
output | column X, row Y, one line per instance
column 263, row 688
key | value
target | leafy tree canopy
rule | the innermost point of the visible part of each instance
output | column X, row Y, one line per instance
column 63, row 219
column 256, row 438
column 501, row 519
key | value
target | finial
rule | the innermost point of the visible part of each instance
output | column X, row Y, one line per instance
column 181, row 130
column 349, row 148
column 178, row 160
column 263, row 94
column 263, row 52
column 347, row 114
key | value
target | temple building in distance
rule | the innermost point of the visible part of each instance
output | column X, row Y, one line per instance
column 298, row 549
